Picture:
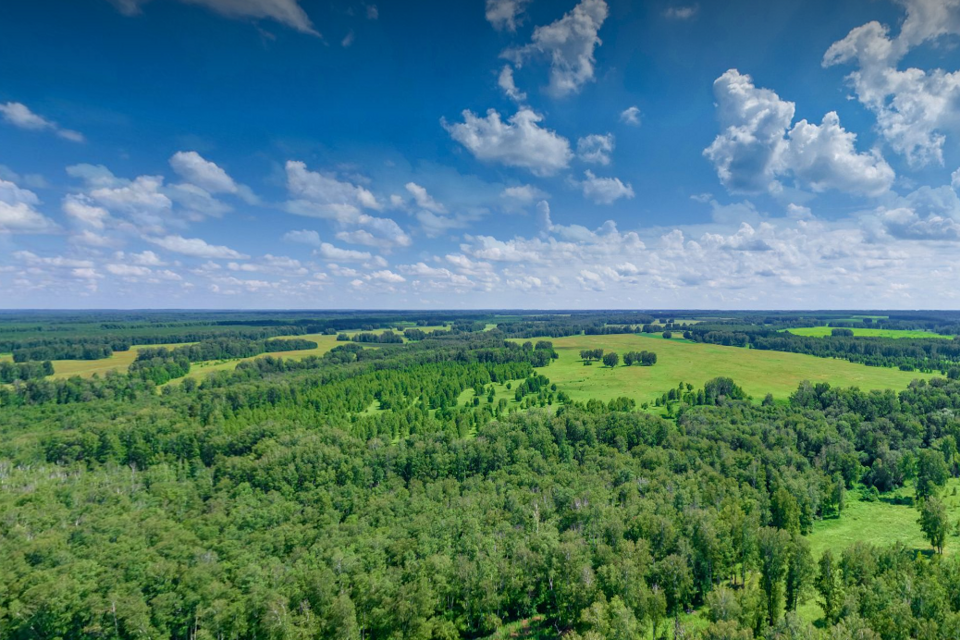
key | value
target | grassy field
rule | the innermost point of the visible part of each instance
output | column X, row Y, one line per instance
column 758, row 372
column 820, row 332
column 324, row 344
column 119, row 361
column 891, row 519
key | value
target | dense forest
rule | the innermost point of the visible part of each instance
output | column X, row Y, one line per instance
column 446, row 487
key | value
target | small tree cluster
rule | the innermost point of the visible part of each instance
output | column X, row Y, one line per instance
column 611, row 359
column 591, row 354
column 642, row 358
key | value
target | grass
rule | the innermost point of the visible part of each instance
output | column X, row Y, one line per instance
column 119, row 361
column 820, row 332
column 324, row 344
column 757, row 372
column 891, row 519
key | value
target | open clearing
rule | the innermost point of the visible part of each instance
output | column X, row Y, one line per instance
column 324, row 344
column 820, row 332
column 119, row 361
column 757, row 372
column 893, row 518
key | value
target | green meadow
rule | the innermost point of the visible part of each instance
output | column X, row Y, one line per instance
column 863, row 332
column 757, row 372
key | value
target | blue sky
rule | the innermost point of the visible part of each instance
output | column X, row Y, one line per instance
column 488, row 154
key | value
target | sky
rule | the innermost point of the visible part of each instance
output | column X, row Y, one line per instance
column 535, row 154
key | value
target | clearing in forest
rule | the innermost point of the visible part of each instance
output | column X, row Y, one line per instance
column 863, row 332
column 757, row 372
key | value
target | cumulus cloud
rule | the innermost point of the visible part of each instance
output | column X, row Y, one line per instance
column 330, row 252
column 387, row 276
column 519, row 142
column 423, row 199
column 196, row 202
column 79, row 207
column 196, row 170
column 631, row 116
column 825, row 157
column 18, row 213
column 569, row 44
column 753, row 122
column 505, row 15
column 128, row 270
column 595, row 148
column 926, row 214
column 757, row 146
column 196, row 248
column 914, row 107
column 604, row 190
column 524, row 194
column 325, row 195
column 20, row 116
column 286, row 12
column 509, row 87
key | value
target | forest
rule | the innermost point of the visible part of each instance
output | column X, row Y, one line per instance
column 443, row 486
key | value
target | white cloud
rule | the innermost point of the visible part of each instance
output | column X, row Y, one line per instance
column 128, row 270
column 20, row 116
column 505, row 15
column 78, row 207
column 387, row 276
column 519, row 142
column 143, row 200
column 18, row 213
column 756, row 145
column 348, row 39
column 955, row 179
column 687, row 12
column 195, row 247
column 569, row 43
column 196, row 170
column 196, row 201
column 925, row 214
column 824, row 157
column 509, row 87
column 596, row 148
column 524, row 194
column 604, row 190
column 330, row 252
column 94, row 176
column 753, row 122
column 914, row 107
column 631, row 116
column 324, row 196
column 423, row 199
column 144, row 258
column 91, row 239
column 58, row 262
column 286, row 12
